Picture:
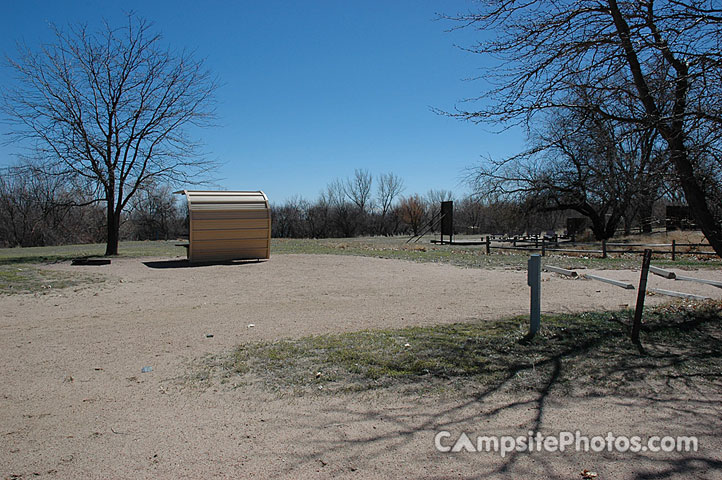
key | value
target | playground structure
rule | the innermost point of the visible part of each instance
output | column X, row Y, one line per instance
column 444, row 218
column 231, row 225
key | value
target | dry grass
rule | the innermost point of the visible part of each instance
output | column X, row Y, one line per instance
column 34, row 279
column 23, row 278
column 587, row 353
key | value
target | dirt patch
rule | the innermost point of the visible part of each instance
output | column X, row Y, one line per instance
column 74, row 402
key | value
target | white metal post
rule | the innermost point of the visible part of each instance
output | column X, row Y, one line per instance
column 534, row 281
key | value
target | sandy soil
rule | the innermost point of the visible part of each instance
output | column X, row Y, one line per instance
column 74, row 403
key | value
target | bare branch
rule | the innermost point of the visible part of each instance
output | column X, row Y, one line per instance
column 114, row 107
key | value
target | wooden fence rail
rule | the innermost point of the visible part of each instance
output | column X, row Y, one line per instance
column 544, row 244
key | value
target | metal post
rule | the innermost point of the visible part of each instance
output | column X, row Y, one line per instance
column 534, row 281
column 641, row 293
column 544, row 247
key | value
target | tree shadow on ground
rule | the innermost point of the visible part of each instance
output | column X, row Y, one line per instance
column 682, row 364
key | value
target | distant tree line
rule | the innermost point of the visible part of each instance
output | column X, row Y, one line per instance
column 364, row 206
column 39, row 208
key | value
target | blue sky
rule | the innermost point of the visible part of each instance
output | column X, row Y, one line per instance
column 311, row 90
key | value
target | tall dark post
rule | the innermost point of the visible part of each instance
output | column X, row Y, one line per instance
column 447, row 220
column 641, row 293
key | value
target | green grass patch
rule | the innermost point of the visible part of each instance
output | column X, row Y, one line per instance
column 589, row 353
column 21, row 268
column 30, row 279
column 467, row 256
column 60, row 253
column 379, row 247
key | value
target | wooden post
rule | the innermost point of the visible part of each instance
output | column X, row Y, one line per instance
column 604, row 249
column 674, row 249
column 488, row 245
column 663, row 273
column 641, row 293
column 544, row 247
column 536, row 241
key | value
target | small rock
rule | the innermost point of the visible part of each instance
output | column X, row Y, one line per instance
column 251, row 325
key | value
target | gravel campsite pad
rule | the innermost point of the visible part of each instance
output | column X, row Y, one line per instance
column 97, row 381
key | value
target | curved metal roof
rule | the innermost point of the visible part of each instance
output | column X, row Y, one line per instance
column 229, row 200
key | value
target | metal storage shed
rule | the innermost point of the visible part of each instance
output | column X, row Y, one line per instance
column 228, row 225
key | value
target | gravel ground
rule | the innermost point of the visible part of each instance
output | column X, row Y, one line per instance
column 74, row 403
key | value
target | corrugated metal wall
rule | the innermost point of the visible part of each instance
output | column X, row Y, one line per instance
column 228, row 226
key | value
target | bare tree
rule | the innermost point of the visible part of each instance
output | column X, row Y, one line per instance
column 667, row 51
column 318, row 217
column 112, row 108
column 584, row 162
column 435, row 197
column 412, row 211
column 358, row 189
column 433, row 200
column 470, row 215
column 26, row 202
column 155, row 214
column 342, row 212
column 389, row 188
column 38, row 209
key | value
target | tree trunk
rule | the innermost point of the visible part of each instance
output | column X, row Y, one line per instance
column 673, row 133
column 604, row 228
column 645, row 216
column 627, row 225
column 601, row 231
column 111, row 246
column 696, row 199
